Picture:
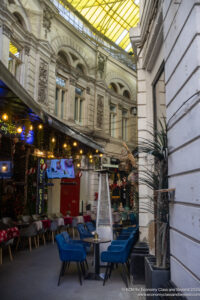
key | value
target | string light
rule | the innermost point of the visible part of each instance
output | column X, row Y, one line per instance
column 74, row 144
column 65, row 145
column 78, row 165
column 97, row 151
column 100, row 154
column 91, row 161
column 90, row 156
column 81, row 151
column 19, row 130
column 31, row 127
column 53, row 140
column 5, row 117
column 4, row 168
column 40, row 126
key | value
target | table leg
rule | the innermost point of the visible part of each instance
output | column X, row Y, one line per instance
column 97, row 259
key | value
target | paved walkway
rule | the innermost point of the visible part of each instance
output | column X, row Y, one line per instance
column 34, row 276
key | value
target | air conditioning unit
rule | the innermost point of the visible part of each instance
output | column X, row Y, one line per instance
column 109, row 162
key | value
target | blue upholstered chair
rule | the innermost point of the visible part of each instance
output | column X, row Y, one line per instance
column 83, row 232
column 90, row 227
column 117, row 255
column 70, row 252
column 69, row 240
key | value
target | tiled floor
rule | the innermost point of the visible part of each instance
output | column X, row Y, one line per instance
column 34, row 276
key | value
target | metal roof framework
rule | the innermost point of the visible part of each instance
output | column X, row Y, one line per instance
column 112, row 18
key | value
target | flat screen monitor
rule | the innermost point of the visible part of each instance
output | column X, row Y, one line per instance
column 60, row 168
column 5, row 169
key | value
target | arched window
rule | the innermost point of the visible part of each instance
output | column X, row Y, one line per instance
column 63, row 58
column 19, row 19
column 113, row 87
column 126, row 94
column 80, row 68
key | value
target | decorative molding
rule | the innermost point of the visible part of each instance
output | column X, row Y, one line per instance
column 88, row 90
column 100, row 111
column 47, row 17
column 101, row 65
column 27, row 50
column 7, row 31
column 43, row 82
column 72, row 81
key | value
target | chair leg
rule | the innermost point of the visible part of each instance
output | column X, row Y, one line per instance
column 124, row 277
column 61, row 272
column 82, row 268
column 86, row 264
column 106, row 274
column 52, row 235
column 128, row 269
column 111, row 268
column 29, row 240
column 10, row 253
column 1, row 256
column 79, row 272
column 35, row 241
column 44, row 240
column 38, row 240
column 17, row 245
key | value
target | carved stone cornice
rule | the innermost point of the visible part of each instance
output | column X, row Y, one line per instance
column 7, row 31
column 27, row 50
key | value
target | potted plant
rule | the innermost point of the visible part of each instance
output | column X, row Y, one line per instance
column 157, row 268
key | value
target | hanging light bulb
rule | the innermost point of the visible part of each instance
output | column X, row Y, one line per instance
column 74, row 144
column 31, row 127
column 40, row 126
column 90, row 156
column 5, row 117
column 100, row 154
column 97, row 151
column 81, row 151
column 91, row 160
column 78, row 165
column 64, row 145
column 53, row 140
column 19, row 129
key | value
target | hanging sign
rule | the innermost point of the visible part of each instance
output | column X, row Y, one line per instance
column 40, row 186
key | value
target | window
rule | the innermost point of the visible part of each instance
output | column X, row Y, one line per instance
column 60, row 97
column 14, row 60
column 124, row 124
column 78, row 105
column 112, row 120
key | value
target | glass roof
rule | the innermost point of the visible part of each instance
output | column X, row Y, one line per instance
column 112, row 18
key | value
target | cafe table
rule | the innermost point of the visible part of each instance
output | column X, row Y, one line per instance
column 96, row 243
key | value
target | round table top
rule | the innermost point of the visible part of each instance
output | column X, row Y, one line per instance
column 98, row 241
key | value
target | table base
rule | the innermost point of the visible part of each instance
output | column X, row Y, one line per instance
column 93, row 276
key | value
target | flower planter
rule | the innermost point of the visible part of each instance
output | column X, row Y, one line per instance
column 155, row 278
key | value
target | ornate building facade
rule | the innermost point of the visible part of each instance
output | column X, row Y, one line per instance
column 72, row 77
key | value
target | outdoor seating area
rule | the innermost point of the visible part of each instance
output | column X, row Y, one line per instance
column 19, row 236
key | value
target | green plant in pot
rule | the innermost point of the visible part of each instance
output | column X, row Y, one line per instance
column 156, row 178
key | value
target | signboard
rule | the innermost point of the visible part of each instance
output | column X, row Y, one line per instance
column 40, row 187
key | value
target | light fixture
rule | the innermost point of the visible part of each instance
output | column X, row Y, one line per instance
column 65, row 145
column 31, row 127
column 134, row 110
column 4, row 168
column 19, row 129
column 40, row 126
column 100, row 154
column 97, row 151
column 91, row 160
column 53, row 140
column 81, row 151
column 5, row 117
column 74, row 144
column 90, row 156
column 78, row 165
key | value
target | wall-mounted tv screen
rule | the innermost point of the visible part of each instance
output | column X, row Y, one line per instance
column 60, row 168
column 5, row 169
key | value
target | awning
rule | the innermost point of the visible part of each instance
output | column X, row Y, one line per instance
column 16, row 97
column 75, row 134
